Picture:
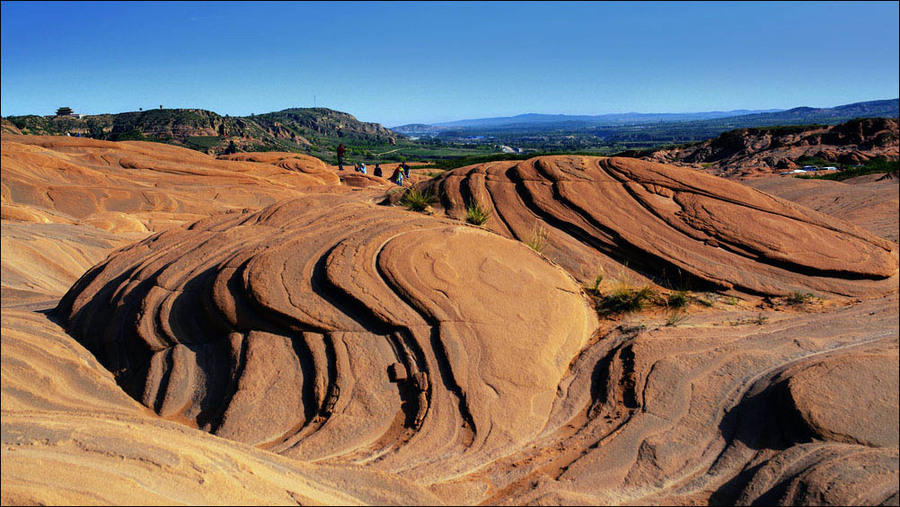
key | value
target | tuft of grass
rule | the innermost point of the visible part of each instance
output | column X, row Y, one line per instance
column 678, row 299
column 538, row 239
column 676, row 317
column 476, row 215
column 627, row 299
column 594, row 288
column 416, row 200
column 800, row 298
column 760, row 319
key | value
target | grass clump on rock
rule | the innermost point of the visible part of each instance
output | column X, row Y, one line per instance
column 416, row 200
column 627, row 299
column 538, row 239
column 678, row 299
column 800, row 298
column 476, row 215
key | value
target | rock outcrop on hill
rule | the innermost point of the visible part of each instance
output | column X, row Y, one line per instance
column 199, row 129
column 663, row 222
column 751, row 152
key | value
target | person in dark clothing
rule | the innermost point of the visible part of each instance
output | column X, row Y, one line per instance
column 340, row 153
column 377, row 171
column 405, row 170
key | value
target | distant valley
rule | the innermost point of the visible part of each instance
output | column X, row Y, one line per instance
column 611, row 133
column 318, row 131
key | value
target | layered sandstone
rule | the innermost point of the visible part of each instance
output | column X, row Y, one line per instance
column 668, row 223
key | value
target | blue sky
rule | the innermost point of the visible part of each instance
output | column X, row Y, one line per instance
column 409, row 62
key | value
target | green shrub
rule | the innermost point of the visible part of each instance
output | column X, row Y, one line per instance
column 416, row 200
column 800, row 298
column 678, row 299
column 475, row 215
column 627, row 299
column 594, row 289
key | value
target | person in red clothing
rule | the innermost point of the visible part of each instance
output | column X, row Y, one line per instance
column 340, row 153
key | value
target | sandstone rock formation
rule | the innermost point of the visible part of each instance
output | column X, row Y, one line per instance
column 322, row 327
column 746, row 153
column 290, row 161
column 300, row 344
column 71, row 436
column 156, row 184
column 871, row 202
column 665, row 222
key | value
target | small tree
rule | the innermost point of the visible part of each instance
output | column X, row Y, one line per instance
column 64, row 111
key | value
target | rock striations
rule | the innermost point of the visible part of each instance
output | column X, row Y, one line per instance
column 328, row 328
column 670, row 224
column 251, row 331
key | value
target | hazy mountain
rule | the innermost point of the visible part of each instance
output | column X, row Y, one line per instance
column 594, row 120
column 731, row 119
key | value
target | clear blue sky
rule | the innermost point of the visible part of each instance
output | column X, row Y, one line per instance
column 409, row 62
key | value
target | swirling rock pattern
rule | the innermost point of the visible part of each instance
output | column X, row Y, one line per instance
column 418, row 360
column 325, row 327
column 158, row 186
column 71, row 436
column 662, row 220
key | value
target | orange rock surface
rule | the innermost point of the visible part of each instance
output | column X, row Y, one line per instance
column 257, row 330
column 669, row 223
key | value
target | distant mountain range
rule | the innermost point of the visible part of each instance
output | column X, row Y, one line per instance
column 599, row 120
column 740, row 118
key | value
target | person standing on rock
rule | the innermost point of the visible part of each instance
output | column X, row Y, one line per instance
column 377, row 171
column 362, row 167
column 405, row 170
column 397, row 177
column 340, row 154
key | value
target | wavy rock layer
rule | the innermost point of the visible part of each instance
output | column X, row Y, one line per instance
column 40, row 261
column 797, row 410
column 327, row 328
column 71, row 436
column 668, row 223
column 128, row 186
column 872, row 205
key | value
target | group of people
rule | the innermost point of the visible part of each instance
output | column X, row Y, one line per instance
column 400, row 174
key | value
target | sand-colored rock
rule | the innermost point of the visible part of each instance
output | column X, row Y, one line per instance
column 871, row 202
column 745, row 154
column 278, row 329
column 328, row 350
column 670, row 223
column 40, row 261
column 847, row 399
column 71, row 436
column 156, row 184
column 290, row 161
